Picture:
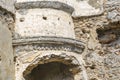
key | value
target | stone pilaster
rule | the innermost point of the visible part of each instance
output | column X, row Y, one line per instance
column 7, row 68
column 44, row 33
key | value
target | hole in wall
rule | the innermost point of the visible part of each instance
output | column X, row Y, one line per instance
column 22, row 19
column 94, row 79
column 45, row 18
column 109, row 36
column 15, row 58
column 92, row 67
column 50, row 71
column 0, row 58
column 17, row 64
column 4, row 13
column 9, row 28
column 69, row 23
column 58, row 18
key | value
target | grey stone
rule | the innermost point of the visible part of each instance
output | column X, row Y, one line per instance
column 6, row 53
column 45, row 4
column 113, row 9
column 8, row 5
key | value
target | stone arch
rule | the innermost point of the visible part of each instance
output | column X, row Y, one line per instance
column 53, row 64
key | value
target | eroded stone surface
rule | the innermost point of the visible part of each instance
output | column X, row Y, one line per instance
column 101, row 57
column 7, row 68
column 96, row 54
column 43, row 22
column 41, row 57
column 81, row 7
column 113, row 8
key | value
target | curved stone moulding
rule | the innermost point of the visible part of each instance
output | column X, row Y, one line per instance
column 26, row 64
column 49, row 43
column 70, row 61
column 65, row 2
column 32, row 52
column 58, row 5
column 82, row 8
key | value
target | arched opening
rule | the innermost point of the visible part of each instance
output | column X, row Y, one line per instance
column 50, row 71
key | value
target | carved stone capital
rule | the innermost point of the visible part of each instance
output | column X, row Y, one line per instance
column 49, row 43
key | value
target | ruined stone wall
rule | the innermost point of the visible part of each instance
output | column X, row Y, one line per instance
column 96, row 25
column 102, row 37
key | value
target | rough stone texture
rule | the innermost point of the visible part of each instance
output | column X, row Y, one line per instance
column 82, row 7
column 113, row 9
column 101, row 35
column 27, row 61
column 7, row 68
column 51, row 71
column 8, row 5
column 43, row 22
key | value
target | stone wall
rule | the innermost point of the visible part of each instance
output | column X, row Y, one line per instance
column 96, row 23
column 102, row 37
column 6, row 51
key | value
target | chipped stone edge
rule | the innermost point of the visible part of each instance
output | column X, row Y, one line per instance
column 63, row 58
column 45, row 4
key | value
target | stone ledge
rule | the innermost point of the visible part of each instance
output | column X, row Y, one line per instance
column 50, row 43
column 45, row 4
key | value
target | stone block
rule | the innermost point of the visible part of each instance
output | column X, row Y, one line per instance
column 44, row 22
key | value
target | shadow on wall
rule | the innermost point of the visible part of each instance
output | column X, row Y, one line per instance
column 110, row 35
column 50, row 71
